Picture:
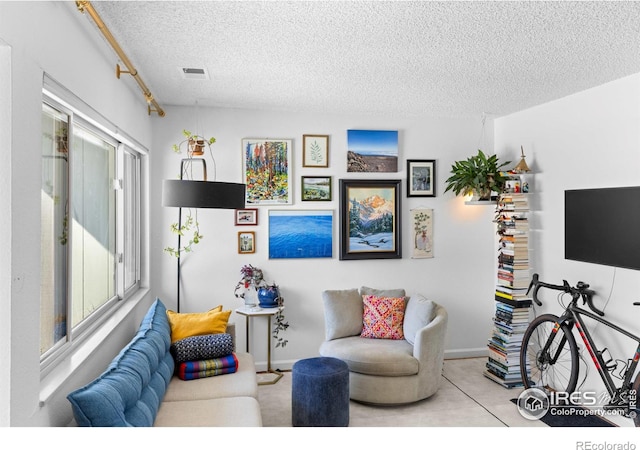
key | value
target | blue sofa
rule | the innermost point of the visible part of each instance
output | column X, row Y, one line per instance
column 139, row 388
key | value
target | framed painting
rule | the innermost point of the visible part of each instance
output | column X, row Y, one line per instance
column 315, row 150
column 372, row 151
column 370, row 219
column 266, row 166
column 421, row 178
column 247, row 216
column 422, row 233
column 300, row 234
column 316, row 189
column 246, row 242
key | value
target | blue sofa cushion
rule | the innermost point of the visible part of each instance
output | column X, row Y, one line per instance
column 132, row 387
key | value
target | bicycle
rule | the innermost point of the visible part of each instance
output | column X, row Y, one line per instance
column 549, row 355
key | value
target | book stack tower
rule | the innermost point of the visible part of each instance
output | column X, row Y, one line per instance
column 513, row 276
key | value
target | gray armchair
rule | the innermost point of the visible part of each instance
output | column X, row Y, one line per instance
column 386, row 371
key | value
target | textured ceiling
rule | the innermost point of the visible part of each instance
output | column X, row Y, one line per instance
column 448, row 59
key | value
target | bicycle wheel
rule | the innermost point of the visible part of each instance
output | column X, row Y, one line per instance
column 551, row 365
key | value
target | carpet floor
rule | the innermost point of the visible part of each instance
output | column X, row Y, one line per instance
column 466, row 399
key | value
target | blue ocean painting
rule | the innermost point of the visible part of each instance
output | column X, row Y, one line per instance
column 300, row 234
column 373, row 142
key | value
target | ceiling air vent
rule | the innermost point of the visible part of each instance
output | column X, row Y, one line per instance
column 193, row 73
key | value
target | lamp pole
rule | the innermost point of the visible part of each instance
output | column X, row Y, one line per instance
column 179, row 252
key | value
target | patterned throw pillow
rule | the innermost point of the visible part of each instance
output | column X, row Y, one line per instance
column 383, row 317
column 206, row 346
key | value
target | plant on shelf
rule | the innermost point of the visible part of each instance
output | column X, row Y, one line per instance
column 254, row 290
column 194, row 145
column 478, row 175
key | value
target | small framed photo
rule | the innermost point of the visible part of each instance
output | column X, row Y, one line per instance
column 247, row 216
column 315, row 150
column 421, row 178
column 246, row 242
column 316, row 189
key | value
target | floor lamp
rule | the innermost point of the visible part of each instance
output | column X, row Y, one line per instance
column 200, row 194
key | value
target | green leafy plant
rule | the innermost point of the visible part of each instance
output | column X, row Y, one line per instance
column 478, row 175
column 253, row 278
column 194, row 142
column 189, row 225
column 280, row 324
column 194, row 145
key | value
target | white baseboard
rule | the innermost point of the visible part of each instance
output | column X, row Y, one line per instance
column 261, row 366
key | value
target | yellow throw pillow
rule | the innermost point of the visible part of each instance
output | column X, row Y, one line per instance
column 184, row 325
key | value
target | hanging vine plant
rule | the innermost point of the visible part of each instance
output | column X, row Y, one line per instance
column 194, row 145
column 190, row 225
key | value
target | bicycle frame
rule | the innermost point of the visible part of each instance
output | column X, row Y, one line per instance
column 573, row 315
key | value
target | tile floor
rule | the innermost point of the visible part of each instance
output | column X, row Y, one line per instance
column 466, row 399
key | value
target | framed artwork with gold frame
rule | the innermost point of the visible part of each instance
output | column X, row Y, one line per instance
column 315, row 150
column 246, row 242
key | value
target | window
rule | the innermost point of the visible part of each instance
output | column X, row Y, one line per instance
column 90, row 215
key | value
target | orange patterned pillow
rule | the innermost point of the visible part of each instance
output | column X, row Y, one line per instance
column 383, row 317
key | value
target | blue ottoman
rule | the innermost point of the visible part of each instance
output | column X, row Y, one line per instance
column 320, row 393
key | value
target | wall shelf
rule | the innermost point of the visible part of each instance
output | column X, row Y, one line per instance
column 480, row 202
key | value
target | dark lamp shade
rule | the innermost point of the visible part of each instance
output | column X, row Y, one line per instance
column 203, row 194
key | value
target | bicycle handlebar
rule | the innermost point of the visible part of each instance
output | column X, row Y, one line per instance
column 580, row 290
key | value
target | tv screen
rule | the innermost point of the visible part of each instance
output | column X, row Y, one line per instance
column 602, row 226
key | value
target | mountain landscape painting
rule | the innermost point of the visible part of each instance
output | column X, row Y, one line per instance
column 372, row 151
column 371, row 226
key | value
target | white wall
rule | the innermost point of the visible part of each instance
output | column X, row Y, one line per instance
column 5, row 227
column 460, row 276
column 587, row 140
column 52, row 38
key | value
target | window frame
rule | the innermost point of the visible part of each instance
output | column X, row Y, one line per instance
column 61, row 100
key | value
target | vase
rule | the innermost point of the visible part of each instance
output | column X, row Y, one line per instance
column 250, row 299
column 268, row 298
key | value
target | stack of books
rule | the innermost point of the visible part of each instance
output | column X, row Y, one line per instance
column 503, row 365
column 512, row 300
column 513, row 252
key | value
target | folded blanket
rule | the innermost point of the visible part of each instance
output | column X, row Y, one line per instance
column 191, row 370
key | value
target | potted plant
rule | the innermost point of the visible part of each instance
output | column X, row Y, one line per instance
column 194, row 145
column 478, row 175
column 253, row 289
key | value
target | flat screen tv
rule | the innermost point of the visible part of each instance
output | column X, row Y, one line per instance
column 602, row 226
